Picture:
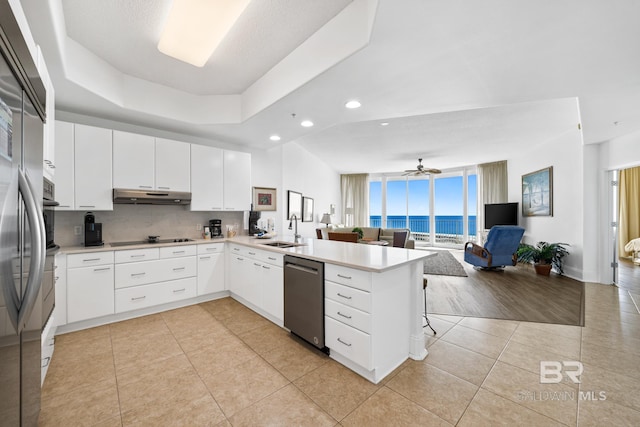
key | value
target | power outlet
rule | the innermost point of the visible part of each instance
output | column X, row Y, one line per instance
column 199, row 227
column 77, row 230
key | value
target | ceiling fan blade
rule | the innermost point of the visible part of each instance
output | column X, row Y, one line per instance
column 435, row 171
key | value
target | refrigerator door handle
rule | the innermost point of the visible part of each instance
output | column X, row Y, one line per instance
column 38, row 250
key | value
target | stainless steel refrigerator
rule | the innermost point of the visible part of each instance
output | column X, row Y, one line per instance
column 22, row 233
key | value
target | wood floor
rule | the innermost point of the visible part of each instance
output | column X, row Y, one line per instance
column 516, row 293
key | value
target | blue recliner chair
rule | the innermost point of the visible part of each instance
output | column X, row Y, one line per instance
column 499, row 250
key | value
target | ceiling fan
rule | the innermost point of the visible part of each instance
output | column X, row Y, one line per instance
column 421, row 170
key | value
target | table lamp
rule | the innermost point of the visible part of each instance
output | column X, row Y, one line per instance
column 326, row 219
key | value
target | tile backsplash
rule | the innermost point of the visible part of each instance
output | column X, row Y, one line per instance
column 136, row 222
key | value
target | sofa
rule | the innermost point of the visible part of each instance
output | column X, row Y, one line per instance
column 372, row 233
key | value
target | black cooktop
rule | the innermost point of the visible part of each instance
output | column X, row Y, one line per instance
column 152, row 241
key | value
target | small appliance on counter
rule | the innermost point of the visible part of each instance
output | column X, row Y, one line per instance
column 215, row 228
column 254, row 216
column 92, row 231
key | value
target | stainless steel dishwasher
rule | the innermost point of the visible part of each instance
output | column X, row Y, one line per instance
column 304, row 299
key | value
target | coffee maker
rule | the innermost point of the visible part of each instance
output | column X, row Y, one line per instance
column 215, row 227
column 254, row 216
column 92, row 231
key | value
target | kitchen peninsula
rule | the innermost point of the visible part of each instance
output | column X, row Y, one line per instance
column 373, row 294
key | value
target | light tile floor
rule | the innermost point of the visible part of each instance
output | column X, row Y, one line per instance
column 220, row 364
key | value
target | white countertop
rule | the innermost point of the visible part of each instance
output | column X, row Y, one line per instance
column 356, row 255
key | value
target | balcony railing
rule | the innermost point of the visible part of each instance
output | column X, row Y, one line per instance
column 448, row 230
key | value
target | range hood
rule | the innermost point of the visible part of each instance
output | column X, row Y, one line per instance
column 150, row 197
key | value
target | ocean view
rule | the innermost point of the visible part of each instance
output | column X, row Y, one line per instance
column 445, row 224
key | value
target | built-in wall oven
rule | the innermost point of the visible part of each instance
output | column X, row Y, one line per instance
column 48, row 211
column 48, row 279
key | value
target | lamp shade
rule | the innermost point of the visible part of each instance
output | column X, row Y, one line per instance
column 326, row 219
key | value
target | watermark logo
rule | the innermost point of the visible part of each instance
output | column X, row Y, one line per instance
column 551, row 371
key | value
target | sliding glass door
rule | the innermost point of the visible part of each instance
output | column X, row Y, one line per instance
column 438, row 209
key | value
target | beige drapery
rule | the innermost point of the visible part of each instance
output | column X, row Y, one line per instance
column 492, row 187
column 629, row 203
column 355, row 199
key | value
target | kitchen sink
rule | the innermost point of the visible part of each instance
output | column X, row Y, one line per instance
column 282, row 244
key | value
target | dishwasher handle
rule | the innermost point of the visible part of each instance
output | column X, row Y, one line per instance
column 302, row 268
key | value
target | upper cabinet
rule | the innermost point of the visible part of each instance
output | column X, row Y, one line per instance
column 237, row 181
column 148, row 163
column 133, row 161
column 173, row 160
column 48, row 154
column 206, row 178
column 92, row 164
column 63, row 178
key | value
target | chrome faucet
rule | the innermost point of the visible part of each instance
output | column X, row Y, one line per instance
column 296, row 236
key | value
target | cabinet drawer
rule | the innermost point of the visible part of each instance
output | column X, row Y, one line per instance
column 89, row 259
column 271, row 258
column 348, row 296
column 348, row 315
column 142, row 273
column 178, row 251
column 349, row 342
column 137, row 297
column 210, row 248
column 134, row 255
column 238, row 250
column 348, row 276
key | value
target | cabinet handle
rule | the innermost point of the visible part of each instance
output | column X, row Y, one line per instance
column 240, row 259
column 229, row 209
column 179, row 290
column 179, row 268
column 205, row 257
column 252, row 253
column 256, row 264
column 267, row 267
column 56, row 278
column 344, row 277
column 216, row 208
column 45, row 361
column 137, row 256
column 212, row 249
column 137, row 274
column 236, row 249
column 142, row 297
column 165, row 188
column 64, row 206
column 91, row 259
column 345, row 343
column 271, row 258
column 102, row 269
column 343, row 296
column 87, row 206
column 178, row 252
column 344, row 315
column 144, row 186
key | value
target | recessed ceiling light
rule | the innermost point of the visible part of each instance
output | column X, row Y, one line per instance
column 306, row 123
column 353, row 104
column 274, row 137
column 194, row 29
column 384, row 124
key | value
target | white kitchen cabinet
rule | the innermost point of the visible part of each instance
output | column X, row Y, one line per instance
column 237, row 181
column 211, row 268
column 133, row 161
column 172, row 165
column 60, row 278
column 92, row 163
column 239, row 275
column 206, row 178
column 90, row 290
column 64, row 148
column 273, row 290
column 48, row 154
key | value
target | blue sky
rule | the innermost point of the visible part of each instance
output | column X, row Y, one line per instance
column 448, row 197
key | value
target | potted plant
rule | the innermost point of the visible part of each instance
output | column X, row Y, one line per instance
column 359, row 231
column 544, row 256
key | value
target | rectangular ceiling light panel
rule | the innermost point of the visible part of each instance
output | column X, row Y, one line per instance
column 195, row 28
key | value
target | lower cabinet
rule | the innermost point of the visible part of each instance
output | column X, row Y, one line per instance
column 89, row 289
column 136, row 297
column 257, row 276
column 210, row 268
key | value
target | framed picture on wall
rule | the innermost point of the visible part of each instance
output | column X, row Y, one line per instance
column 307, row 209
column 537, row 193
column 294, row 205
column 264, row 199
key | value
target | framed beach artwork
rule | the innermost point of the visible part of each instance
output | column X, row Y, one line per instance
column 537, row 193
column 294, row 206
column 307, row 209
column 264, row 199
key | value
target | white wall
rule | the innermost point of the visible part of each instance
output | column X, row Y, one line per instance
column 565, row 154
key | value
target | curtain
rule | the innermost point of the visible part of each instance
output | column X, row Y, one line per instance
column 492, row 188
column 354, row 189
column 629, row 202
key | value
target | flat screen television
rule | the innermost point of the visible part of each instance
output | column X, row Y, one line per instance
column 500, row 214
